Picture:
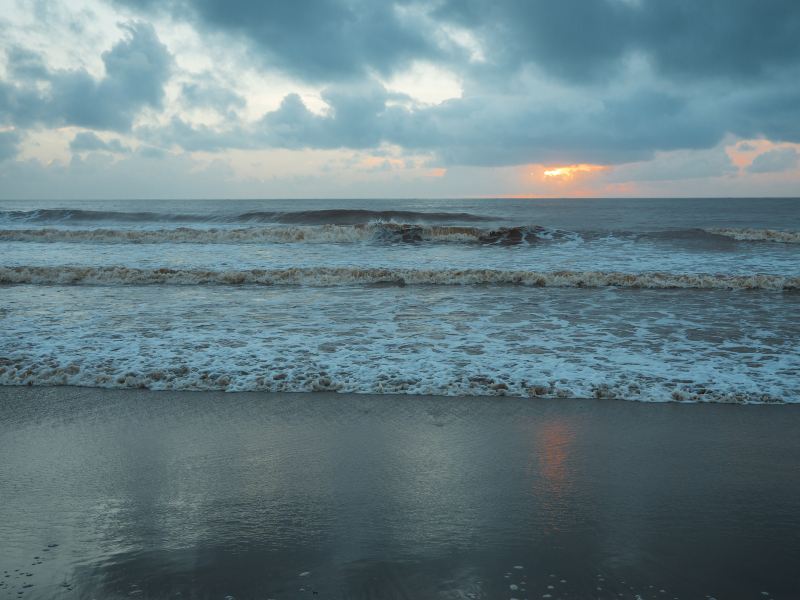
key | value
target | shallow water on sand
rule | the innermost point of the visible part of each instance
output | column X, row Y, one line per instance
column 647, row 345
column 131, row 494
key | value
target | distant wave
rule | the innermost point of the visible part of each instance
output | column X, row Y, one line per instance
column 758, row 235
column 389, row 232
column 339, row 276
column 305, row 217
column 711, row 235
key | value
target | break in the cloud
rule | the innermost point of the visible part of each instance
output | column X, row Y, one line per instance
column 648, row 90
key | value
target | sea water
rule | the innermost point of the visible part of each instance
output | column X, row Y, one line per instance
column 638, row 299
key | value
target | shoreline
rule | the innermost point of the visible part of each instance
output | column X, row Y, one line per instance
column 7, row 388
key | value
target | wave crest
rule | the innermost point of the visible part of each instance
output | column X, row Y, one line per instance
column 757, row 235
column 389, row 232
column 342, row 276
column 304, row 217
column 184, row 374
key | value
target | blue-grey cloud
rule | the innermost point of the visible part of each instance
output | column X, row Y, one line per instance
column 316, row 40
column 86, row 141
column 676, row 166
column 480, row 130
column 9, row 144
column 735, row 77
column 196, row 138
column 603, row 81
column 578, row 40
column 207, row 92
column 584, row 40
column 774, row 161
column 771, row 109
column 136, row 70
column 357, row 119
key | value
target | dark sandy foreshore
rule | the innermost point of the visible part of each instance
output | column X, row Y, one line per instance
column 122, row 493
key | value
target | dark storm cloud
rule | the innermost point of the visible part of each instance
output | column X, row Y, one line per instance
column 136, row 70
column 9, row 144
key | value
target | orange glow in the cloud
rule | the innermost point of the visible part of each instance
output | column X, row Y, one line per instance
column 743, row 152
column 377, row 162
column 569, row 172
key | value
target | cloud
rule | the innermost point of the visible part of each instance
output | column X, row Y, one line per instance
column 483, row 129
column 99, row 175
column 86, row 141
column 314, row 40
column 207, row 92
column 196, row 138
column 650, row 84
column 356, row 119
column 9, row 144
column 774, row 161
column 588, row 40
column 577, row 40
column 494, row 130
column 136, row 69
column 675, row 166
column 602, row 81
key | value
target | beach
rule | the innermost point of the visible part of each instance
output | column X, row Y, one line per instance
column 136, row 493
column 400, row 300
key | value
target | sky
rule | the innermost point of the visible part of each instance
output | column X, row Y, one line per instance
column 360, row 98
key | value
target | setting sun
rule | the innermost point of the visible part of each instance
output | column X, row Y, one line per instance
column 570, row 171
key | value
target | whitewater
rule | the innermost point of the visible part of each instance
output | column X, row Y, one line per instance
column 637, row 299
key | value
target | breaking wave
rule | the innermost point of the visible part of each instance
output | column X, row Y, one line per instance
column 305, row 217
column 342, row 276
column 758, row 235
column 388, row 232
column 177, row 375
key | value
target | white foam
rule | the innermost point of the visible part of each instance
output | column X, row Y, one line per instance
column 560, row 343
column 758, row 235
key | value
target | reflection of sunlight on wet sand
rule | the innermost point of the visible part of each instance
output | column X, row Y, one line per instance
column 552, row 473
column 556, row 438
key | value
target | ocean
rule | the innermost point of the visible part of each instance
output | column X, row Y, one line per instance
column 652, row 300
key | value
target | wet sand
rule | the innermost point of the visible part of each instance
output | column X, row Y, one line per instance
column 138, row 494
